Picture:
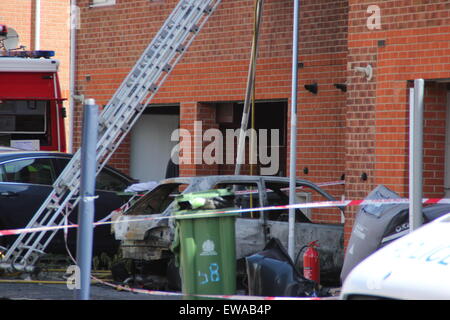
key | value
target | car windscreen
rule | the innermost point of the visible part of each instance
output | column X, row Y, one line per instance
column 157, row 200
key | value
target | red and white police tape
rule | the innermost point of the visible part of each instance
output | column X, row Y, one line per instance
column 210, row 296
column 319, row 204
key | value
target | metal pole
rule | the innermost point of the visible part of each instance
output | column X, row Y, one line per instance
column 249, row 92
column 416, row 154
column 37, row 25
column 293, row 144
column 87, row 201
column 72, row 68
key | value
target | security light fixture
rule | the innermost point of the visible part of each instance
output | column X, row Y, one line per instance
column 313, row 88
column 367, row 71
column 341, row 86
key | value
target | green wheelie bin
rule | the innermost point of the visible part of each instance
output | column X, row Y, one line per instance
column 204, row 243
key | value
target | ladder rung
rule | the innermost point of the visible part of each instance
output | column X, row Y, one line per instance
column 125, row 127
column 164, row 34
column 123, row 109
column 208, row 9
column 194, row 29
column 153, row 88
column 111, row 147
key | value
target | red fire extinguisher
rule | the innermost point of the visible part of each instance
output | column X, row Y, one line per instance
column 311, row 262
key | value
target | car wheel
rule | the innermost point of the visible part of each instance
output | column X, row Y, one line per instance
column 120, row 272
column 173, row 275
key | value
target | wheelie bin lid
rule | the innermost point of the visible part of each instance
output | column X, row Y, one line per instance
column 204, row 204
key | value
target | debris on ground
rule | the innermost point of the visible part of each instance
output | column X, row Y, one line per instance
column 271, row 272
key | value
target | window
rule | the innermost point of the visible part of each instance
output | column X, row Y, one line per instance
column 100, row 3
column 23, row 116
column 2, row 174
column 278, row 195
column 108, row 181
column 33, row 171
column 25, row 120
column 246, row 197
column 157, row 200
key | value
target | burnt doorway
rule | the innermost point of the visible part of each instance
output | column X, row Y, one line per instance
column 269, row 123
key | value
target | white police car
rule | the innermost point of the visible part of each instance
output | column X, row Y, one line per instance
column 415, row 267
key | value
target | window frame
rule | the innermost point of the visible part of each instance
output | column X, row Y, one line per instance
column 15, row 115
column 138, row 207
column 62, row 162
column 259, row 202
column 300, row 197
column 107, row 171
column 105, row 3
column 50, row 159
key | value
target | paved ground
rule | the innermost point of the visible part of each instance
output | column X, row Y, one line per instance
column 44, row 291
column 49, row 291
column 52, row 285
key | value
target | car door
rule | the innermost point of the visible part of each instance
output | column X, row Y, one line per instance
column 24, row 185
column 109, row 186
column 251, row 231
column 313, row 224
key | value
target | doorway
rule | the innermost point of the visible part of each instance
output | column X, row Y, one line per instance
column 270, row 117
column 151, row 142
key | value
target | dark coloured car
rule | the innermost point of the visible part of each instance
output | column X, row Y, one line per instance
column 26, row 179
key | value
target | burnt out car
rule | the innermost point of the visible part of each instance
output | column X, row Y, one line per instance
column 377, row 225
column 146, row 233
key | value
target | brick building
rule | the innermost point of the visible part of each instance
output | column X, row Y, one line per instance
column 360, row 133
column 55, row 32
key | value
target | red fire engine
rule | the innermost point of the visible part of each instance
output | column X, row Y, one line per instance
column 31, row 109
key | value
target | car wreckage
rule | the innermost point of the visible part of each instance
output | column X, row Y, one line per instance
column 146, row 230
column 377, row 225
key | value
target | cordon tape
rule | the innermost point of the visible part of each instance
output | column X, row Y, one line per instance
column 125, row 206
column 319, row 204
column 209, row 296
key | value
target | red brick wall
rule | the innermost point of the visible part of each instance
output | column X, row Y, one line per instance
column 416, row 45
column 321, row 117
column 190, row 113
column 17, row 14
column 215, row 69
column 363, row 131
column 55, row 31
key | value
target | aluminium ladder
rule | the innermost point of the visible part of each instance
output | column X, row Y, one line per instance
column 116, row 120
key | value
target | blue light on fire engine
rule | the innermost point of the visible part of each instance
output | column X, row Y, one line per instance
column 30, row 54
column 3, row 30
